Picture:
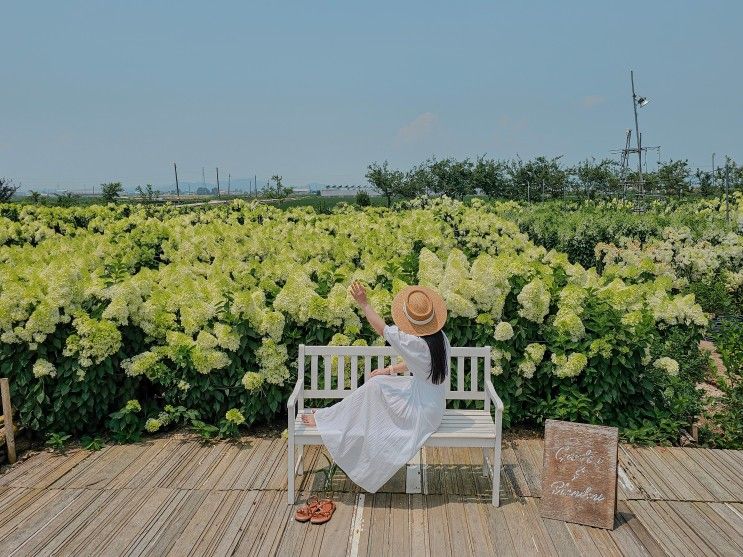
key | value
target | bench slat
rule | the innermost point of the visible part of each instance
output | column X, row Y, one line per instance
column 460, row 373
column 367, row 367
column 354, row 372
column 473, row 373
column 313, row 372
column 328, row 372
column 342, row 373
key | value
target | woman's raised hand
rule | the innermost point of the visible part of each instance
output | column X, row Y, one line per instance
column 359, row 293
column 379, row 371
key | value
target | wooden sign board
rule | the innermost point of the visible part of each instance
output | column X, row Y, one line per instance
column 579, row 474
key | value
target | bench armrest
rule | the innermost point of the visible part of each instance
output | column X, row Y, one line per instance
column 298, row 390
column 493, row 396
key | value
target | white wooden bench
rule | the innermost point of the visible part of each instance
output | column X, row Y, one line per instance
column 459, row 428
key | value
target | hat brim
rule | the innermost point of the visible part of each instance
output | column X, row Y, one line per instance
column 404, row 324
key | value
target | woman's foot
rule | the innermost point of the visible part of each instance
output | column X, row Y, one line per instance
column 309, row 419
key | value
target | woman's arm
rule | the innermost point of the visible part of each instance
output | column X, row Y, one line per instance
column 393, row 369
column 359, row 294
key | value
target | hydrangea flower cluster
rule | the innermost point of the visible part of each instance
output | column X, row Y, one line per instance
column 569, row 365
column 669, row 365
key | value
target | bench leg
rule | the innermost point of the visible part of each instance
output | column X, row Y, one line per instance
column 496, row 473
column 484, row 462
column 290, row 455
column 300, row 463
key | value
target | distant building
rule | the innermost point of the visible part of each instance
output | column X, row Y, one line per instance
column 345, row 191
column 301, row 191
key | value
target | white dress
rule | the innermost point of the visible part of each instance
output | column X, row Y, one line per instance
column 374, row 431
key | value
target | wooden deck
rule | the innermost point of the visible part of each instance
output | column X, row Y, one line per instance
column 174, row 496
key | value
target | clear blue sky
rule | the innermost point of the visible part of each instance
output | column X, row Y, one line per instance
column 101, row 91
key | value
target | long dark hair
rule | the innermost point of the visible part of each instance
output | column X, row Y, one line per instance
column 439, row 361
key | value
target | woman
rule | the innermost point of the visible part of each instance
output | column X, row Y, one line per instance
column 374, row 431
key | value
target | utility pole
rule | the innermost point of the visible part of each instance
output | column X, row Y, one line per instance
column 229, row 182
column 637, row 131
column 727, row 191
column 203, row 177
column 217, row 181
column 177, row 187
column 713, row 172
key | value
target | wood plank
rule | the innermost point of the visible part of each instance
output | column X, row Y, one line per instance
column 727, row 468
column 254, row 534
column 439, row 541
column 229, row 527
column 700, row 474
column 583, row 539
column 636, row 471
column 399, row 540
column 626, row 487
column 707, row 530
column 728, row 519
column 604, row 542
column 276, row 525
column 95, row 535
column 361, row 524
column 379, row 526
column 512, row 471
column 526, row 540
column 26, row 502
column 134, row 523
column 148, row 451
column 637, row 531
column 677, row 484
column 561, row 537
column 477, row 525
column 159, row 458
column 200, row 530
column 418, row 527
column 668, row 540
column 336, row 535
column 458, row 532
column 531, row 470
column 498, row 531
column 61, row 466
column 18, row 534
column 67, row 524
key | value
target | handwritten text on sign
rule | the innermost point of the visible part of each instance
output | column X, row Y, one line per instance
column 579, row 476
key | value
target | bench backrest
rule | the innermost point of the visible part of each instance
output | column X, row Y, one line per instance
column 335, row 371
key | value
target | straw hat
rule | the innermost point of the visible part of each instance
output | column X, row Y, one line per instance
column 418, row 310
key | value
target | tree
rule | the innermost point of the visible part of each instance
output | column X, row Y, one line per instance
column 7, row 189
column 384, row 181
column 674, row 177
column 592, row 176
column 147, row 195
column 112, row 190
column 278, row 191
column 416, row 181
column 362, row 199
column 490, row 178
column 537, row 175
column 35, row 196
column 704, row 179
column 452, row 177
column 68, row 199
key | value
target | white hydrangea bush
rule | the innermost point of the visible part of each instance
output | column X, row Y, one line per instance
column 206, row 307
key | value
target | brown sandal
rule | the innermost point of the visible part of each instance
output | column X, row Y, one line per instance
column 306, row 512
column 323, row 512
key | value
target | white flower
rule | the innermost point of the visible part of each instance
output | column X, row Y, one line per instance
column 43, row 368
column 669, row 365
column 503, row 331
